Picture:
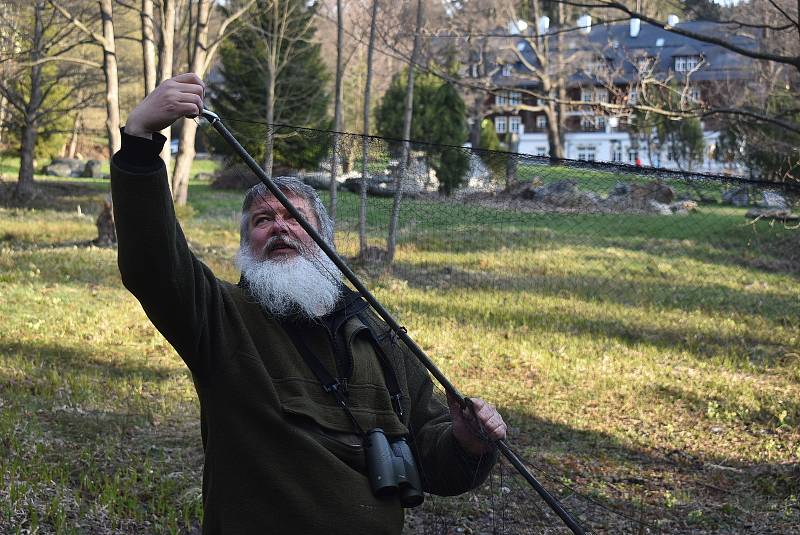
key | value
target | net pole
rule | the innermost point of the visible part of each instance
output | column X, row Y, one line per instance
column 401, row 332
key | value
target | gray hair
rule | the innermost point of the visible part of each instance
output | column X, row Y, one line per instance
column 295, row 186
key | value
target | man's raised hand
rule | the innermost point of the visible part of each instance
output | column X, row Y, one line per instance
column 177, row 97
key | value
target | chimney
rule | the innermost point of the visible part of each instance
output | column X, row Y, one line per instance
column 585, row 23
column 544, row 25
column 673, row 20
column 635, row 26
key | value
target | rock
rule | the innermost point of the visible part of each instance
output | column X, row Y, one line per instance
column 653, row 191
column 620, row 188
column 523, row 190
column 378, row 186
column 656, row 207
column 92, row 169
column 321, row 181
column 771, row 199
column 64, row 167
column 772, row 213
column 58, row 169
column 736, row 197
column 683, row 207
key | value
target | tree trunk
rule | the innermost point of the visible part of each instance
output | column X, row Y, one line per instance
column 24, row 187
column 73, row 139
column 270, row 118
column 362, row 205
column 408, row 113
column 166, row 54
column 337, row 106
column 3, row 104
column 148, row 47
column 111, row 78
column 557, row 133
column 185, row 156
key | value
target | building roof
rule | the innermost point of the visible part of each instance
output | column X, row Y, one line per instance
column 614, row 44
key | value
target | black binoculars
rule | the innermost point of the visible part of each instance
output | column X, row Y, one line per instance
column 391, row 469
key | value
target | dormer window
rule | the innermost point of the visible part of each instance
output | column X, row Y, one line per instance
column 686, row 63
column 501, row 99
column 514, row 98
column 506, row 70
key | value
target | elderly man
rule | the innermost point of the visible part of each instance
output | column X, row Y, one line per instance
column 283, row 453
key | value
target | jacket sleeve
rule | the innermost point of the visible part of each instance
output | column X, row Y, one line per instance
column 178, row 293
column 445, row 467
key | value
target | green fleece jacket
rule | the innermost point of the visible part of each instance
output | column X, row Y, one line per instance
column 279, row 457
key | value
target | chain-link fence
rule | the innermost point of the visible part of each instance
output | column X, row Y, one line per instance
column 518, row 273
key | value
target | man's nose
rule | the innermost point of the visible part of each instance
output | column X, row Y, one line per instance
column 280, row 226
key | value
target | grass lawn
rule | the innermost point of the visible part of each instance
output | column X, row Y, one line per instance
column 651, row 363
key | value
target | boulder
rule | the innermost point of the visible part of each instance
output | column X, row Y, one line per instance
column 378, row 186
column 653, row 191
column 683, row 207
column 321, row 181
column 772, row 213
column 655, row 207
column 64, row 167
column 92, row 169
column 771, row 199
column 736, row 197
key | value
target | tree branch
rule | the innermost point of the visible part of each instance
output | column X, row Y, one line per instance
column 96, row 37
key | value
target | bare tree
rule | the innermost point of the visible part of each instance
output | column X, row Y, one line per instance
column 362, row 205
column 148, row 46
column 166, row 59
column 105, row 40
column 203, row 50
column 408, row 113
column 337, row 105
column 38, row 99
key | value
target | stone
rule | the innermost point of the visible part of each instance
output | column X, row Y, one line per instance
column 620, row 188
column 736, row 197
column 772, row 213
column 92, row 169
column 58, row 169
column 683, row 207
column 771, row 199
column 653, row 191
column 658, row 208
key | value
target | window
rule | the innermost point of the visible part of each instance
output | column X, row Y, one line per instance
column 616, row 152
column 513, row 124
column 473, row 69
column 586, row 94
column 587, row 153
column 541, row 121
column 633, row 97
column 686, row 63
column 587, row 122
column 540, row 102
column 501, row 98
column 601, row 94
column 500, row 125
column 541, row 151
column 600, row 122
column 506, row 70
column 515, row 98
column 633, row 156
column 694, row 94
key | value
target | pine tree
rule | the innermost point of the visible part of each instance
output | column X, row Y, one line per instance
column 439, row 117
column 300, row 95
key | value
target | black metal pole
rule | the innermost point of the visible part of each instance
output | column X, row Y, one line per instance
column 502, row 445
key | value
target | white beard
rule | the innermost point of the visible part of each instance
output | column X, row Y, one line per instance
column 298, row 285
